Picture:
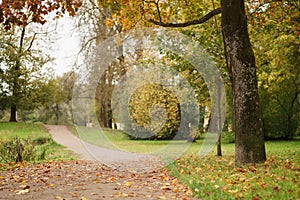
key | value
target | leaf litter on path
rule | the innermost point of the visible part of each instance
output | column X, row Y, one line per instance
column 85, row 180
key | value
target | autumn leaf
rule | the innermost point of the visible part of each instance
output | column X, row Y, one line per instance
column 127, row 184
column 21, row 192
column 165, row 188
column 233, row 191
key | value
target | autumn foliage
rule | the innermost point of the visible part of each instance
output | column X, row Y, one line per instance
column 23, row 12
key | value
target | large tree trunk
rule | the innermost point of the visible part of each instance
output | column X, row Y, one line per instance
column 249, row 137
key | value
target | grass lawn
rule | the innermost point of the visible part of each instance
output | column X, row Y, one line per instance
column 118, row 140
column 35, row 133
column 215, row 177
column 9, row 130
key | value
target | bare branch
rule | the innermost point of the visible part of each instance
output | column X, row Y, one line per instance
column 34, row 36
column 31, row 42
column 158, row 10
column 22, row 39
column 188, row 23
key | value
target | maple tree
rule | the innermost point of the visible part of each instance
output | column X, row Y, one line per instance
column 16, row 16
column 23, row 12
column 238, row 51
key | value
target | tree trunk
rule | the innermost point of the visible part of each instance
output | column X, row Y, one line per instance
column 219, row 146
column 13, row 114
column 16, row 84
column 57, row 113
column 249, row 137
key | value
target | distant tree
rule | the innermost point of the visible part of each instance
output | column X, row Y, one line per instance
column 57, row 107
column 21, row 77
column 15, row 18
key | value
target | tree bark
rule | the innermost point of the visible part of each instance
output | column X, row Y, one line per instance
column 249, row 136
column 13, row 114
column 16, row 84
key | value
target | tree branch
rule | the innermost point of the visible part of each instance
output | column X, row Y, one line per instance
column 31, row 42
column 22, row 40
column 188, row 23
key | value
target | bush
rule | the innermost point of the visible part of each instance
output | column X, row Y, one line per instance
column 228, row 137
column 21, row 149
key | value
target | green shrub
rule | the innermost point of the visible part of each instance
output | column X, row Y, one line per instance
column 228, row 137
column 41, row 140
column 21, row 149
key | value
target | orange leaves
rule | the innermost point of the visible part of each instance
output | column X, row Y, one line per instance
column 23, row 12
column 109, row 22
column 126, row 13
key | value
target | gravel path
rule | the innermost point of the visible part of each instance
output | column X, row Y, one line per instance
column 63, row 136
column 116, row 159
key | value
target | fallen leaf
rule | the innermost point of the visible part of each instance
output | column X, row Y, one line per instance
column 20, row 192
column 118, row 194
column 24, row 187
column 111, row 179
column 165, row 188
column 127, row 184
column 131, row 194
column 162, row 197
column 96, row 181
column 276, row 189
column 233, row 191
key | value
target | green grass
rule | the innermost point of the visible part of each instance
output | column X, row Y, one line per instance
column 215, row 177
column 37, row 134
column 118, row 140
column 22, row 130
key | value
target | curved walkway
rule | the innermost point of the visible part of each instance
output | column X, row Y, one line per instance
column 113, row 158
column 63, row 136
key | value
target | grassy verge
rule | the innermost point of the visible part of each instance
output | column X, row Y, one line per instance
column 215, row 177
column 29, row 139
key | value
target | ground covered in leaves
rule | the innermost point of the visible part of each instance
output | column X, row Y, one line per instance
column 85, row 180
column 215, row 177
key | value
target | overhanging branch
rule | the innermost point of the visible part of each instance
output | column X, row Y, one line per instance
column 189, row 23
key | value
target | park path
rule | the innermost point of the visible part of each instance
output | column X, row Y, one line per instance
column 63, row 136
column 113, row 158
